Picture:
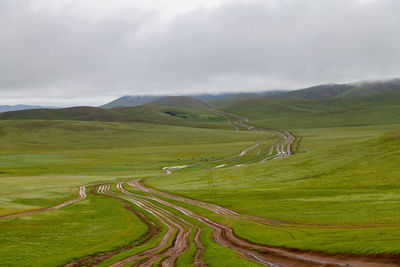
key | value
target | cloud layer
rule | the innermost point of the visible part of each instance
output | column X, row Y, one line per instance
column 88, row 52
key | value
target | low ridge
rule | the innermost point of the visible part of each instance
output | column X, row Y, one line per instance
column 73, row 113
column 182, row 102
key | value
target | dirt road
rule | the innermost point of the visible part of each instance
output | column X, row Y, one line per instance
column 175, row 241
column 266, row 255
column 82, row 195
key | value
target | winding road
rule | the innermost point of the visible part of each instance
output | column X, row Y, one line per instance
column 175, row 230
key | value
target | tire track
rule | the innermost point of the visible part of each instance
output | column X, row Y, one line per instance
column 233, row 214
column 274, row 256
column 82, row 195
column 179, row 231
column 92, row 260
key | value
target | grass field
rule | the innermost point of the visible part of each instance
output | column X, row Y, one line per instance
column 56, row 237
column 296, row 113
column 341, row 188
column 342, row 176
column 43, row 163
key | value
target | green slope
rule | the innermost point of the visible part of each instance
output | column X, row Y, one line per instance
column 362, row 88
column 197, row 116
column 340, row 176
column 73, row 113
column 313, row 113
column 182, row 102
column 176, row 116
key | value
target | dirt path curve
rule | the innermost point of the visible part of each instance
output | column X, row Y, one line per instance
column 227, row 119
column 283, row 147
column 175, row 241
column 198, row 261
column 277, row 256
column 233, row 214
column 82, row 195
column 95, row 259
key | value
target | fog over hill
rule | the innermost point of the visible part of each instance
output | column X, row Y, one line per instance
column 5, row 108
column 90, row 52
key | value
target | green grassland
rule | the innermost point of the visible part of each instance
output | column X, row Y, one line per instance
column 62, row 155
column 179, row 116
column 280, row 113
column 43, row 163
column 56, row 237
column 344, row 173
column 341, row 176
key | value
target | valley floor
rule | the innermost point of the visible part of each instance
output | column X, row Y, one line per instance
column 308, row 197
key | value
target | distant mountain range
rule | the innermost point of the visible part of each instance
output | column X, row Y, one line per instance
column 130, row 101
column 329, row 105
column 363, row 88
column 5, row 108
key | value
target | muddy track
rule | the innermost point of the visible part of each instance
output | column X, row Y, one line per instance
column 282, row 147
column 175, row 241
column 82, row 195
column 226, row 118
column 92, row 260
column 275, row 256
column 233, row 214
column 197, row 261
column 239, row 119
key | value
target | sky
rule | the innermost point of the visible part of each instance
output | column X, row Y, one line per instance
column 89, row 52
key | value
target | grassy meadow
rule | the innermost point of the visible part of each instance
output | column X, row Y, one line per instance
column 341, row 186
column 43, row 163
column 340, row 176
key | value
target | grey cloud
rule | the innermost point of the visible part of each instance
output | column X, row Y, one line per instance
column 236, row 46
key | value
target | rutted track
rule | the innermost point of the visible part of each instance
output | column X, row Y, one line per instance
column 82, row 195
column 233, row 214
column 92, row 260
column 266, row 255
column 175, row 241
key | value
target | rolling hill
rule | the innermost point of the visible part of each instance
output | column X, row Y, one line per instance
column 128, row 101
column 177, row 116
column 365, row 103
column 5, row 108
column 73, row 113
column 198, row 116
column 331, row 105
column 362, row 88
column 182, row 102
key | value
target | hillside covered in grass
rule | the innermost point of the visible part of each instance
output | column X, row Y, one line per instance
column 341, row 176
column 178, row 111
column 176, row 116
column 324, row 106
column 73, row 113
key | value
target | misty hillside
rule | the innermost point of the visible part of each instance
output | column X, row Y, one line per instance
column 6, row 108
column 148, row 113
column 342, row 90
column 182, row 102
column 178, row 116
column 126, row 101
column 363, row 103
column 357, row 108
column 129, row 101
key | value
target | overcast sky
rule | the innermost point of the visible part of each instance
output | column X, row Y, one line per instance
column 88, row 52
